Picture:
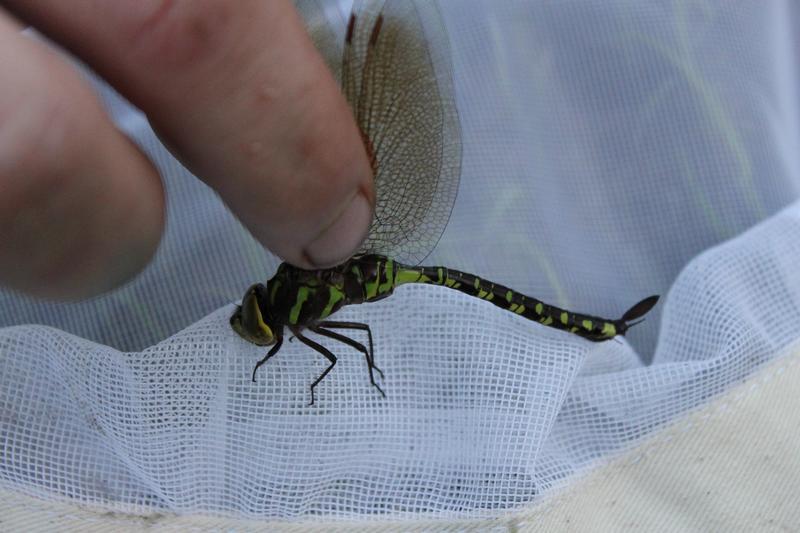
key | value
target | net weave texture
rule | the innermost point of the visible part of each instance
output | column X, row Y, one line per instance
column 611, row 150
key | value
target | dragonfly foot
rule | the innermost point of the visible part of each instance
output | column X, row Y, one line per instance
column 379, row 389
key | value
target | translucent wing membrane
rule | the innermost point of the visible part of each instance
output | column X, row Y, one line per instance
column 397, row 76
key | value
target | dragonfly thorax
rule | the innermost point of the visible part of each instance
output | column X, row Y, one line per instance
column 298, row 297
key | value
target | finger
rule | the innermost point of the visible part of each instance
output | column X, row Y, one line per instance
column 241, row 95
column 81, row 210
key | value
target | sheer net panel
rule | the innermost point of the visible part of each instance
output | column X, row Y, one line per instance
column 604, row 146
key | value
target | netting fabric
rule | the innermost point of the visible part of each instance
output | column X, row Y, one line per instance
column 611, row 150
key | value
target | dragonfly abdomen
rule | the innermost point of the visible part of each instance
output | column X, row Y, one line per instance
column 587, row 326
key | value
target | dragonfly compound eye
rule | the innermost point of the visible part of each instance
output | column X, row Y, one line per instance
column 249, row 323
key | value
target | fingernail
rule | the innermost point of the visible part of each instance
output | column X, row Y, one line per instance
column 343, row 237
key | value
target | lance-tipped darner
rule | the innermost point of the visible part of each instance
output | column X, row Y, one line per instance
column 395, row 73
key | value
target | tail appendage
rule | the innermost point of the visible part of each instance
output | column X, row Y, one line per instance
column 635, row 313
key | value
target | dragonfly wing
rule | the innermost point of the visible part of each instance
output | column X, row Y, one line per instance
column 397, row 76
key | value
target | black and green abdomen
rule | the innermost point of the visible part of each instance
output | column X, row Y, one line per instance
column 587, row 326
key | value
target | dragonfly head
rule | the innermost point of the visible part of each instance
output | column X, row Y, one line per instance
column 250, row 319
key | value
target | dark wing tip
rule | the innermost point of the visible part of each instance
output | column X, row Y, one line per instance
column 640, row 309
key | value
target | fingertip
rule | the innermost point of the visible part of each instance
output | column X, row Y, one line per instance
column 343, row 236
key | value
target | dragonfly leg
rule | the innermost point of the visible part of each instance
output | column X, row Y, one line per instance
column 320, row 349
column 350, row 342
column 271, row 352
column 363, row 327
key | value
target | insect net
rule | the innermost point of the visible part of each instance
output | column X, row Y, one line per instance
column 611, row 150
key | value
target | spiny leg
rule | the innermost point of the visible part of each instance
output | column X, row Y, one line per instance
column 272, row 352
column 318, row 348
column 350, row 342
column 356, row 325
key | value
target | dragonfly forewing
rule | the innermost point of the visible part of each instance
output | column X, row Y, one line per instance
column 396, row 73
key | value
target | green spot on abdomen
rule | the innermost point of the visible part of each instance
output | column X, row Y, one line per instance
column 408, row 275
column 609, row 330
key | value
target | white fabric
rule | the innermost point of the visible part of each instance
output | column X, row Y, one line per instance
column 730, row 466
column 605, row 145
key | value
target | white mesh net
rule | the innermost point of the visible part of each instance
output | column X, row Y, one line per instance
column 605, row 145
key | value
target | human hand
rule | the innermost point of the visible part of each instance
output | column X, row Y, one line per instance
column 235, row 89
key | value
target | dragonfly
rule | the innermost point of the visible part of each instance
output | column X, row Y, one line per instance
column 395, row 72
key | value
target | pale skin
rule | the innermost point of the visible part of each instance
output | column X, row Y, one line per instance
column 237, row 92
